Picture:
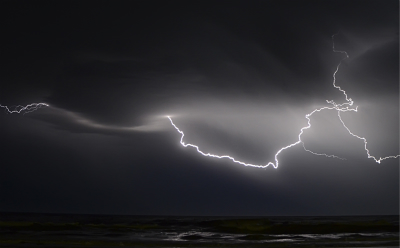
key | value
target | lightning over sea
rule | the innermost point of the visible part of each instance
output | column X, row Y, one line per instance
column 343, row 107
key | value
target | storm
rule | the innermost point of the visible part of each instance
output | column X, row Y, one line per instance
column 237, row 77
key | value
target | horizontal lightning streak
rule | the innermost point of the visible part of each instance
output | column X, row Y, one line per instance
column 218, row 156
column 24, row 109
column 339, row 107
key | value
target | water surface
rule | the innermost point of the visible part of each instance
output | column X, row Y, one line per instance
column 67, row 230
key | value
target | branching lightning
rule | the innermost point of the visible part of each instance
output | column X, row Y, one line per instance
column 24, row 109
column 343, row 107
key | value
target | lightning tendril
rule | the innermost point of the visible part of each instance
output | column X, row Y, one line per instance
column 24, row 109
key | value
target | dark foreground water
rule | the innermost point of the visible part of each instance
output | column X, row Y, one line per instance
column 63, row 230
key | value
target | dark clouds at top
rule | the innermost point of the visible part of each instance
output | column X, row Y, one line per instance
column 237, row 77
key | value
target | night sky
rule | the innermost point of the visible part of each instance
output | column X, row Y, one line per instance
column 238, row 77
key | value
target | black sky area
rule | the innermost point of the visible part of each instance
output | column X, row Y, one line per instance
column 238, row 77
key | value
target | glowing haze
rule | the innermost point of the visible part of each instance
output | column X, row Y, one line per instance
column 339, row 107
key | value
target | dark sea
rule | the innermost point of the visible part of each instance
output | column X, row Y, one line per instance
column 68, row 230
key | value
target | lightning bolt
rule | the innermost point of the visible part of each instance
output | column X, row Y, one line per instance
column 24, row 109
column 343, row 107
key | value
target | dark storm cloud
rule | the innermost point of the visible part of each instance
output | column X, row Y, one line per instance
column 236, row 77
